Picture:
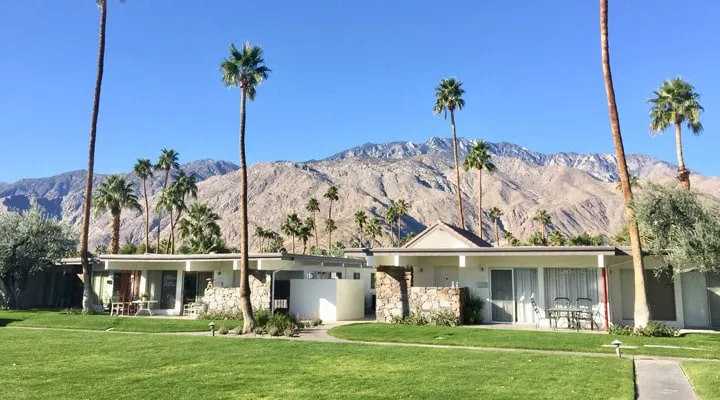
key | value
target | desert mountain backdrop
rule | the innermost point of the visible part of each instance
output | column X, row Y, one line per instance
column 578, row 190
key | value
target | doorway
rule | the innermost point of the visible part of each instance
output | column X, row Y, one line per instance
column 194, row 286
column 501, row 295
column 713, row 289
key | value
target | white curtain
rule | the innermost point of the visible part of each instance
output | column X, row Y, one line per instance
column 571, row 283
column 526, row 287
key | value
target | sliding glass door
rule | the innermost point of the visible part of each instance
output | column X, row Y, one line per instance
column 526, row 288
column 501, row 294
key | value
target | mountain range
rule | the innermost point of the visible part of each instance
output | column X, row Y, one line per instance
column 577, row 190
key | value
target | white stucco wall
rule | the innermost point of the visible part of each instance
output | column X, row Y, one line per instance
column 350, row 300
column 310, row 298
column 439, row 239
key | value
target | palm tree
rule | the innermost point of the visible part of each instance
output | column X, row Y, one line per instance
column 313, row 206
column 330, row 227
column 634, row 183
column 167, row 161
column 305, row 232
column 332, row 195
column 448, row 97
column 373, row 230
column 144, row 170
column 674, row 103
column 495, row 213
column 509, row 237
column 186, row 185
column 479, row 159
column 544, row 219
column 401, row 209
column 200, row 230
column 260, row 234
column 391, row 216
column 115, row 194
column 244, row 68
column 170, row 201
column 642, row 313
column 556, row 238
column 291, row 227
column 84, row 254
column 360, row 221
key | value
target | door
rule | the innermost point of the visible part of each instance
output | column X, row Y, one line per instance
column 168, row 289
column 695, row 300
column 713, row 290
column 526, row 288
column 501, row 295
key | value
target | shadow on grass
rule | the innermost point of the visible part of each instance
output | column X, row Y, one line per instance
column 7, row 321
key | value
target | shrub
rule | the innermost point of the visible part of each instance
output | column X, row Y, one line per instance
column 236, row 330
column 443, row 318
column 652, row 329
column 472, row 315
column 223, row 330
column 260, row 330
column 221, row 316
column 279, row 324
column 273, row 331
column 261, row 316
column 316, row 321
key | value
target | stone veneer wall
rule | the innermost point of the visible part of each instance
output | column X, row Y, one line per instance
column 396, row 296
column 227, row 299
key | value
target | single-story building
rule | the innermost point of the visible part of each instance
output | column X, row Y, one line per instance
column 331, row 288
column 444, row 263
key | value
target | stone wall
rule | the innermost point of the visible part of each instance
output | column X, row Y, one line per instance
column 227, row 299
column 396, row 296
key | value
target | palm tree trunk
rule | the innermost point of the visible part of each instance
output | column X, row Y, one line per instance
column 480, row 210
column 329, row 232
column 84, row 256
column 497, row 233
column 683, row 173
column 457, row 171
column 315, row 229
column 167, row 177
column 147, row 218
column 293, row 244
column 642, row 313
column 168, row 248
column 398, row 231
column 245, row 306
column 115, row 234
column 542, row 228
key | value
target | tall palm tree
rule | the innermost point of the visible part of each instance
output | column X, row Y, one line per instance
column 495, row 213
column 391, row 216
column 84, row 255
column 373, row 230
column 291, row 227
column 331, row 195
column 260, row 234
column 144, row 170
column 642, row 313
column 402, row 208
column 675, row 103
column 479, row 159
column 200, row 230
column 448, row 97
column 306, row 232
column 544, row 219
column 115, row 194
column 556, row 238
column 166, row 162
column 313, row 206
column 360, row 221
column 186, row 185
column 244, row 68
column 170, row 201
column 330, row 227
column 509, row 237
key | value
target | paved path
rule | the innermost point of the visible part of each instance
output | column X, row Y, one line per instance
column 661, row 379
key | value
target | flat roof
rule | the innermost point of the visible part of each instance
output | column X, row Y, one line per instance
column 493, row 251
column 230, row 257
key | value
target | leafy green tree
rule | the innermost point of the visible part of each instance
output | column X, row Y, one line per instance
column 584, row 239
column 360, row 222
column 536, row 239
column 410, row 236
column 556, row 238
column 479, row 159
column 331, row 195
column 675, row 103
column 642, row 312
column 115, row 194
column 128, row 248
column 495, row 213
column 291, row 226
column 373, row 230
column 144, row 171
column 622, row 238
column 244, row 68
column 682, row 226
column 87, row 200
column 509, row 237
column 544, row 219
column 30, row 242
column 313, row 207
column 448, row 97
column 634, row 183
column 199, row 229
column 306, row 232
column 167, row 161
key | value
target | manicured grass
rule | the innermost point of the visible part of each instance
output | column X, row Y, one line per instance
column 705, row 378
column 69, row 365
column 55, row 319
column 539, row 340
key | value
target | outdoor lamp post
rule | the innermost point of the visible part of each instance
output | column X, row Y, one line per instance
column 212, row 328
column 617, row 344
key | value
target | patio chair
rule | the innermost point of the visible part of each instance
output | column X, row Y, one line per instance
column 538, row 314
column 562, row 302
column 118, row 307
column 585, row 304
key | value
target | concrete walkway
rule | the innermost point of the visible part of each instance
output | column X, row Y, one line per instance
column 661, row 379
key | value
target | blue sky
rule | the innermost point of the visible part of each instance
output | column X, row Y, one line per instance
column 344, row 73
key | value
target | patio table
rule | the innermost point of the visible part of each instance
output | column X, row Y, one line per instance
column 571, row 313
column 144, row 305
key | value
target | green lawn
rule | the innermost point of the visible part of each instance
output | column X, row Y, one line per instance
column 55, row 319
column 705, row 378
column 60, row 364
column 543, row 340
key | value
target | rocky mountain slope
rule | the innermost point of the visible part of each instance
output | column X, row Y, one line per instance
column 578, row 190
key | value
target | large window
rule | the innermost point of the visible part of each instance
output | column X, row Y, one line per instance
column 571, row 283
column 168, row 289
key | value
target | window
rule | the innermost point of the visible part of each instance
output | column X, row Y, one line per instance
column 571, row 283
column 356, row 275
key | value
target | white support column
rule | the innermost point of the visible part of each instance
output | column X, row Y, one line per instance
column 179, row 291
column 397, row 261
column 236, row 265
column 143, row 281
column 461, row 261
column 541, row 288
column 187, row 265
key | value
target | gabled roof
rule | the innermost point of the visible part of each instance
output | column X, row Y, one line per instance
column 470, row 239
